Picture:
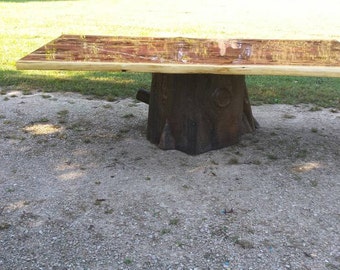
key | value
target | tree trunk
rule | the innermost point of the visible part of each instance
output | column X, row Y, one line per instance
column 195, row 113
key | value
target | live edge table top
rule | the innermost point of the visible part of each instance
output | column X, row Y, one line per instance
column 187, row 55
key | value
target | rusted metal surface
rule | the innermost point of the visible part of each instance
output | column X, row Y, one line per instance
column 182, row 51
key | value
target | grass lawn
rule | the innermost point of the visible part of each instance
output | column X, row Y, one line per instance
column 26, row 25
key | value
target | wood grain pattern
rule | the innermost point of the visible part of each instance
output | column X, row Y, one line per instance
column 196, row 113
column 187, row 55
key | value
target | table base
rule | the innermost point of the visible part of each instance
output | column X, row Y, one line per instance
column 196, row 113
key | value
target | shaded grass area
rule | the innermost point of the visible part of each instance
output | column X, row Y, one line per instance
column 108, row 85
column 324, row 92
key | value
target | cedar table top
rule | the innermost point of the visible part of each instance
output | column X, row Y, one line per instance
column 187, row 55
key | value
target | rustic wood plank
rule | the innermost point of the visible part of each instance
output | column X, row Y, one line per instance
column 176, row 69
column 187, row 55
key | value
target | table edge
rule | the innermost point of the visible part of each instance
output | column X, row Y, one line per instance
column 292, row 70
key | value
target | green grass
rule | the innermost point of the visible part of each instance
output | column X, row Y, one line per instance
column 27, row 25
column 323, row 92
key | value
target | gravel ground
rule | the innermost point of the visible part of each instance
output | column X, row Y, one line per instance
column 81, row 188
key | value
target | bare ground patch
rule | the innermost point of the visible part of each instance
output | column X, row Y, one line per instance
column 93, row 193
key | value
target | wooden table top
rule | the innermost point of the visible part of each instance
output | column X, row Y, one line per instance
column 187, row 55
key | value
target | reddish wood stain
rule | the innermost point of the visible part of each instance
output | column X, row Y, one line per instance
column 188, row 51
